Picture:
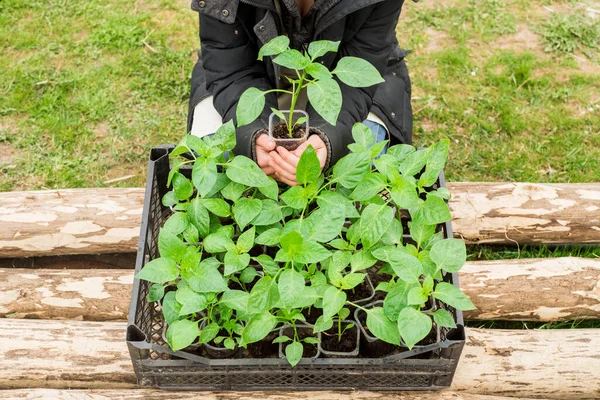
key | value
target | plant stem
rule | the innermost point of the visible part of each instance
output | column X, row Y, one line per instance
column 357, row 306
column 293, row 105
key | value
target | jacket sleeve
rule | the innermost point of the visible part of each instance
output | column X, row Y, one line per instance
column 373, row 42
column 229, row 58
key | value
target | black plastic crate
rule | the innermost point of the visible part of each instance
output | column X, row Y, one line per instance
column 429, row 367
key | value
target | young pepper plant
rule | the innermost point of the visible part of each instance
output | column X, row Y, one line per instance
column 323, row 90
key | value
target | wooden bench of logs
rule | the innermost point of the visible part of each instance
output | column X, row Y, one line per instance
column 66, row 260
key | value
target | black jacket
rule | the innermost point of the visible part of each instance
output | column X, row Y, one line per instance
column 232, row 31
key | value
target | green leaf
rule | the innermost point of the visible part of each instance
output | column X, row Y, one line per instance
column 363, row 135
column 258, row 327
column 204, row 175
column 374, row 222
column 381, row 327
column 271, row 191
column 452, row 296
column 218, row 207
column 309, row 166
column 292, row 59
column 169, row 245
column 293, row 353
column 427, row 285
column 319, row 48
column 394, row 234
column 404, row 193
column 449, row 254
column 437, row 160
column 356, row 72
column 311, row 340
column 270, row 213
column 397, row 299
column 182, row 187
column 318, row 71
column 333, row 301
column 295, row 197
column 278, row 113
column 270, row 237
column 209, row 332
column 332, row 201
column 245, row 210
column 225, row 137
column 351, row 169
column 233, row 191
column 250, row 106
column 235, row 262
column 156, row 293
column 420, row 232
column 362, row 260
column 229, row 343
column 191, row 302
column 206, row 278
column 177, row 223
column 413, row 325
column 170, row 308
column 199, row 217
column 416, row 296
column 291, row 288
column 270, row 267
column 235, row 299
column 324, row 225
column 388, row 166
column 444, row 318
column 323, row 324
column 274, row 47
column 281, row 339
column 169, row 199
column 246, row 240
column 401, row 151
column 191, row 234
column 433, row 211
column 414, row 163
column 351, row 281
column 307, row 253
column 325, row 96
column 263, row 295
column 248, row 275
column 370, row 186
column 245, row 171
column 378, row 148
column 407, row 267
column 160, row 270
column 217, row 243
column 180, row 334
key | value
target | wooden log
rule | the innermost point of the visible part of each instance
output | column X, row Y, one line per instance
column 94, row 221
column 547, row 289
column 70, row 221
column 560, row 364
column 149, row 394
column 526, row 213
column 555, row 289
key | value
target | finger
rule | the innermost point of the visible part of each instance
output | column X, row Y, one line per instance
column 289, row 157
column 282, row 172
column 282, row 163
column 265, row 142
column 285, row 180
column 263, row 158
column 268, row 170
column 316, row 142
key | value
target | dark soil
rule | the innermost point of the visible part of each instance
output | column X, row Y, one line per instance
column 280, row 131
column 361, row 292
column 263, row 349
column 312, row 314
column 331, row 342
column 310, row 350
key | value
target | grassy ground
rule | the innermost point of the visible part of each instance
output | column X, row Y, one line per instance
column 88, row 88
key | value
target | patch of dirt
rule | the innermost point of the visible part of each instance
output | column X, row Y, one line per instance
column 523, row 39
column 102, row 130
column 7, row 154
column 437, row 40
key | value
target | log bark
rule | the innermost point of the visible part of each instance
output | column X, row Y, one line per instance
column 70, row 221
column 149, row 394
column 547, row 289
column 526, row 213
column 560, row 364
column 555, row 289
column 94, row 221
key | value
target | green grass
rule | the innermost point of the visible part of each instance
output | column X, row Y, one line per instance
column 489, row 252
column 578, row 324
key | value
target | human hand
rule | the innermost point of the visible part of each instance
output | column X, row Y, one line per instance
column 264, row 146
column 285, row 162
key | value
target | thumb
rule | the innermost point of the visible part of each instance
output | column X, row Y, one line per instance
column 266, row 142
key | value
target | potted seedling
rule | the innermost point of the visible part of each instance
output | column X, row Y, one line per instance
column 290, row 128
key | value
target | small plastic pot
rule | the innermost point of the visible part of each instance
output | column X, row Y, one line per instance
column 288, row 331
column 352, row 334
column 219, row 351
column 290, row 144
column 371, row 346
column 371, row 290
